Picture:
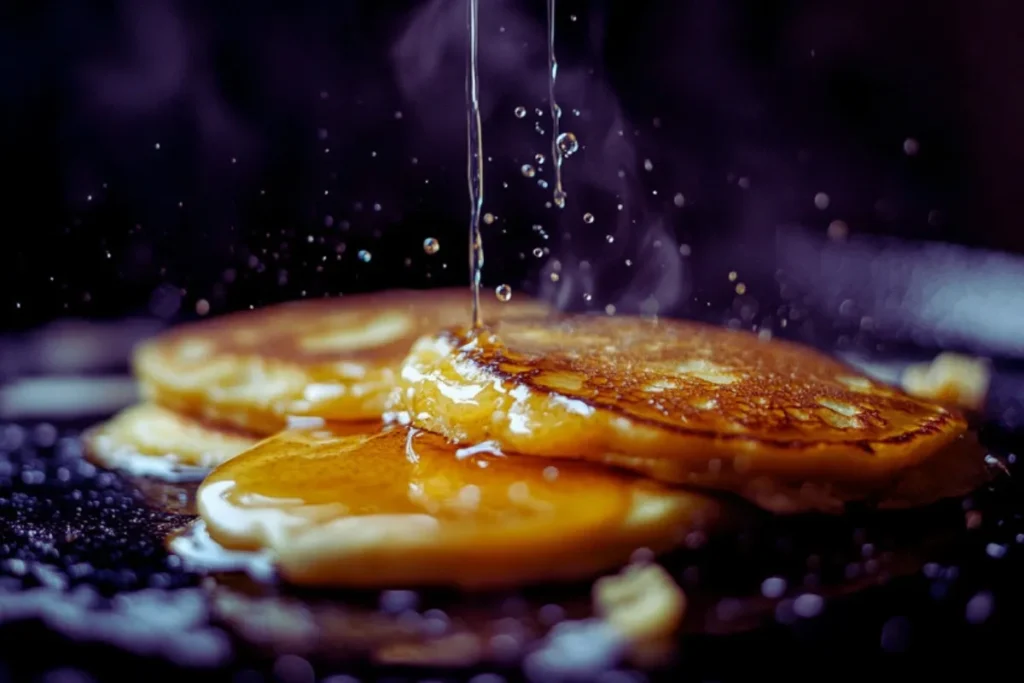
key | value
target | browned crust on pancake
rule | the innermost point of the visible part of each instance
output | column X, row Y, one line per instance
column 519, row 368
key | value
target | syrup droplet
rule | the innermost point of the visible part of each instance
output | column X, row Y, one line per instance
column 560, row 198
column 431, row 245
column 568, row 143
column 520, row 112
column 588, row 218
column 503, row 292
column 528, row 171
column 364, row 256
column 489, row 218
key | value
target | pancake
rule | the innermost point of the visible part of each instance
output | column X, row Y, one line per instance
column 331, row 358
column 149, row 440
column 677, row 401
column 404, row 508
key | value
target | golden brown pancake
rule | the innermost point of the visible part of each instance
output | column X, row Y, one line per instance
column 331, row 358
column 405, row 508
column 678, row 401
column 149, row 440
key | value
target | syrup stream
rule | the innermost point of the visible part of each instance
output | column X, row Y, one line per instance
column 556, row 111
column 475, row 159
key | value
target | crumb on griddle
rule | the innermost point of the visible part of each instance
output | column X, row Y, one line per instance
column 950, row 378
column 642, row 602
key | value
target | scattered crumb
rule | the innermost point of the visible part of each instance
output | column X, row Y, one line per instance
column 642, row 602
column 951, row 378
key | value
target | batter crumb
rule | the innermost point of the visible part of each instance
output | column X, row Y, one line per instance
column 950, row 378
column 642, row 602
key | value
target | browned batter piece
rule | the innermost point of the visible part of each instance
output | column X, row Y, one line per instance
column 678, row 401
column 148, row 440
column 335, row 359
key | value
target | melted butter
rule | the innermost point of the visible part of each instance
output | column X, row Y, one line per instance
column 199, row 552
column 402, row 507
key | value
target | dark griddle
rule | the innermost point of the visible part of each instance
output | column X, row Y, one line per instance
column 936, row 585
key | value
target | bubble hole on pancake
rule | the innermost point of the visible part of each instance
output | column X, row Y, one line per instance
column 401, row 508
column 678, row 401
column 332, row 358
column 148, row 440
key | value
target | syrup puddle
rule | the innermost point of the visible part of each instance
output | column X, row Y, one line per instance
column 200, row 553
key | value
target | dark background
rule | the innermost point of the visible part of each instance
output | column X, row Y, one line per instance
column 160, row 153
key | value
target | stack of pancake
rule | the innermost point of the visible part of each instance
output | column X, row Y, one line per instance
column 402, row 448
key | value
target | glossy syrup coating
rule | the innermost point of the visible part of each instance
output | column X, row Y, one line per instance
column 403, row 507
column 331, row 358
column 679, row 401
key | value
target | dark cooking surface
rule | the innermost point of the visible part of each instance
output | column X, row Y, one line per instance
column 82, row 552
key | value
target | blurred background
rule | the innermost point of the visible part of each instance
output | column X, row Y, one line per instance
column 177, row 159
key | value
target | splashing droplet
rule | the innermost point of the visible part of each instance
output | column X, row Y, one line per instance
column 364, row 256
column 588, row 218
column 503, row 292
column 520, row 112
column 539, row 158
column 489, row 218
column 679, row 200
column 568, row 143
column 560, row 198
column 609, row 239
column 538, row 252
column 431, row 245
column 528, row 171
